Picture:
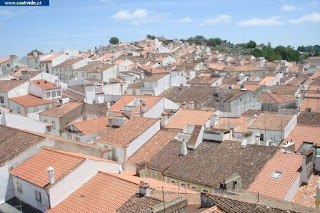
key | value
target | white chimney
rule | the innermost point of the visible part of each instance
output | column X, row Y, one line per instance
column 143, row 108
column 51, row 175
column 184, row 105
column 214, row 120
column 35, row 54
column 144, row 189
column 257, row 138
column 141, row 75
column 108, row 105
column 191, row 105
column 164, row 119
column 184, row 149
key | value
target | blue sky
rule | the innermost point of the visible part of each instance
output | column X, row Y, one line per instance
column 87, row 24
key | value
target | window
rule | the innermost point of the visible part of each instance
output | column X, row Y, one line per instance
column 48, row 94
column 18, row 110
column 261, row 137
column 69, row 136
column 1, row 99
column 204, row 190
column 53, row 125
column 183, row 184
column 58, row 93
column 83, row 74
column 194, row 187
column 53, row 94
column 77, row 139
column 19, row 187
column 37, row 195
column 276, row 175
column 173, row 181
column 154, row 174
column 45, row 121
column 35, row 109
column 8, row 65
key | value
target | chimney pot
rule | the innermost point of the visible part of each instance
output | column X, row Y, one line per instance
column 51, row 175
column 184, row 149
column 144, row 189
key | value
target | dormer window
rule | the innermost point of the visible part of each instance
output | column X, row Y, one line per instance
column 276, row 175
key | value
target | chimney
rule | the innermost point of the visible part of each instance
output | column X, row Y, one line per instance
column 257, row 138
column 141, row 75
column 191, row 105
column 56, row 82
column 184, row 105
column 298, row 100
column 143, row 108
column 108, row 105
column 317, row 196
column 35, row 54
column 144, row 189
column 184, row 149
column 214, row 120
column 51, row 175
column 164, row 119
column 288, row 147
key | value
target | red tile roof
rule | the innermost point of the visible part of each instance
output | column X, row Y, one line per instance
column 61, row 110
column 305, row 194
column 102, row 193
column 129, row 131
column 156, row 143
column 126, row 99
column 302, row 133
column 34, row 170
column 186, row 117
column 93, row 126
column 286, row 163
column 30, row 100
column 4, row 59
column 44, row 84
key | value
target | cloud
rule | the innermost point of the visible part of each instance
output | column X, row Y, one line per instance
column 5, row 12
column 314, row 17
column 288, row 7
column 315, row 3
column 184, row 20
column 217, row 19
column 139, row 16
column 275, row 20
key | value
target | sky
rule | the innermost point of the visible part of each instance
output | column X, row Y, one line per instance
column 85, row 24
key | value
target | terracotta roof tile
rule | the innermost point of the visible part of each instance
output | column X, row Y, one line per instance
column 203, row 80
column 4, row 60
column 7, row 85
column 61, row 110
column 302, row 133
column 88, row 127
column 313, row 103
column 13, row 142
column 156, row 143
column 305, row 194
column 126, row 99
column 271, row 121
column 30, row 100
column 139, row 204
column 102, row 193
column 129, row 131
column 288, row 165
column 44, row 84
column 186, row 117
column 34, row 170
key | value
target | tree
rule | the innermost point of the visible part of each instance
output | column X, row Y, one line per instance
column 214, row 41
column 151, row 37
column 251, row 44
column 114, row 40
column 316, row 53
column 35, row 50
column 199, row 39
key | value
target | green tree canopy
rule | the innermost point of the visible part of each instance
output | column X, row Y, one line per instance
column 214, row 41
column 35, row 50
column 251, row 44
column 152, row 37
column 114, row 40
